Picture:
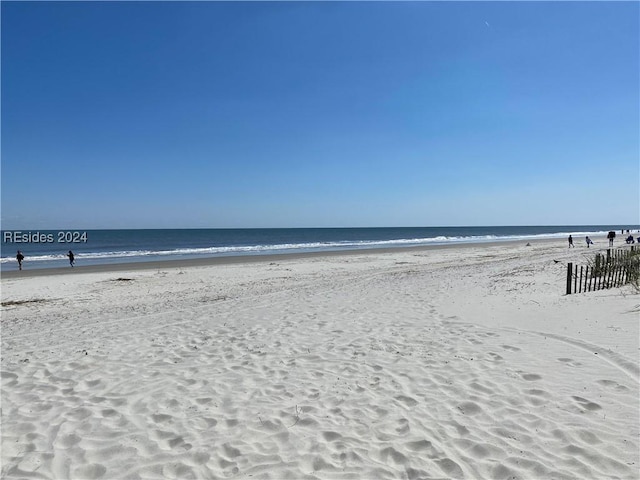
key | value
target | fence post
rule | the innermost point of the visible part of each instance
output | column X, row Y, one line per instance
column 580, row 281
column 627, row 270
column 621, row 274
column 569, row 275
column 586, row 278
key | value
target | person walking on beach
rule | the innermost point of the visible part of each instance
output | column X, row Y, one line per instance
column 19, row 257
column 570, row 241
column 611, row 235
column 71, row 258
column 589, row 242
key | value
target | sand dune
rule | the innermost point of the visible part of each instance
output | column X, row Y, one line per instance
column 458, row 363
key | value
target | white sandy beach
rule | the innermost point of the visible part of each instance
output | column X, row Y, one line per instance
column 463, row 362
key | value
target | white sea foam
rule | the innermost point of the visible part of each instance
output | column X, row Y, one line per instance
column 296, row 247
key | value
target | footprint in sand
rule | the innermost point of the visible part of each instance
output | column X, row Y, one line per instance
column 614, row 385
column 449, row 467
column 531, row 377
column 536, row 397
column 419, row 445
column 586, row 404
column 589, row 437
column 403, row 426
column 67, row 441
column 489, row 334
column 494, row 357
column 331, row 436
column 510, row 348
column 9, row 379
column 391, row 455
column 108, row 412
column 469, row 408
column 178, row 442
column 482, row 388
column 92, row 470
column 231, row 422
column 461, row 430
column 537, row 393
column 78, row 414
column 230, row 452
column 569, row 361
column 161, row 417
column 407, row 401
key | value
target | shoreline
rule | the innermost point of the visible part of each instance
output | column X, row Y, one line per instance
column 271, row 257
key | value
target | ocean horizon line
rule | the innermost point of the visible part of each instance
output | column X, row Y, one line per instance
column 518, row 225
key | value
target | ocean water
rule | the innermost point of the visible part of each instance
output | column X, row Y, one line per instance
column 48, row 248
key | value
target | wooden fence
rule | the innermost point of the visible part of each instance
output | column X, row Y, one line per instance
column 613, row 270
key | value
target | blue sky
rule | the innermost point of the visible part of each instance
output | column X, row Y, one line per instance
column 319, row 114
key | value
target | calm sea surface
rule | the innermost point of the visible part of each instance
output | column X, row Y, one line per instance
column 48, row 248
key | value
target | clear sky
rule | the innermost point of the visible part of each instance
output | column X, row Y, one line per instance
column 319, row 114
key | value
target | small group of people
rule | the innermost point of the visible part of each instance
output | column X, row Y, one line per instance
column 571, row 245
column 629, row 239
column 610, row 236
column 20, row 258
column 587, row 239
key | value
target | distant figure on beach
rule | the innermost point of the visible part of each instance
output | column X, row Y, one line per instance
column 630, row 239
column 71, row 258
column 19, row 257
column 611, row 235
column 589, row 242
column 570, row 241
